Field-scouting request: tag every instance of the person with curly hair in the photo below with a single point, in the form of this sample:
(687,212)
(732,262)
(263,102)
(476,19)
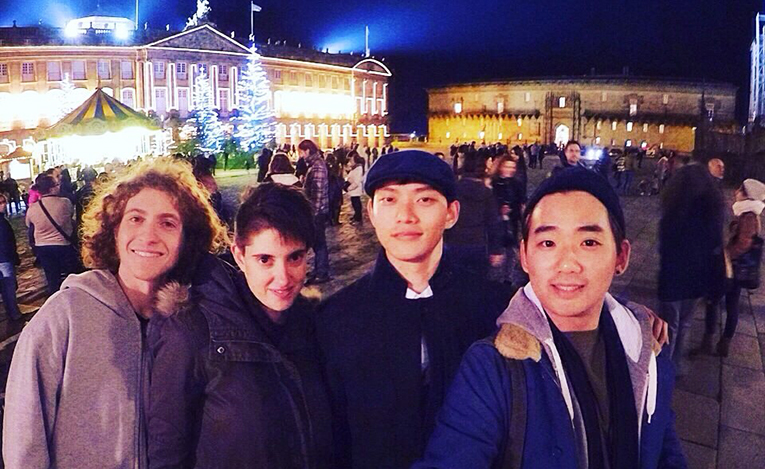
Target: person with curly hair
(77,384)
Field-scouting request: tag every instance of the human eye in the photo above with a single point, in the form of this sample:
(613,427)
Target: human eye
(169,224)
(547,243)
(297,257)
(427,200)
(264,259)
(591,243)
(135,219)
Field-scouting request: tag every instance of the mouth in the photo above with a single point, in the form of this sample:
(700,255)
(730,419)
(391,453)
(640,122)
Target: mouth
(146,254)
(283,293)
(407,235)
(566,289)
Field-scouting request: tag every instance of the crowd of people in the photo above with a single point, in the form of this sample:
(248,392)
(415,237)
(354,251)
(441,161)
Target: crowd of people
(483,336)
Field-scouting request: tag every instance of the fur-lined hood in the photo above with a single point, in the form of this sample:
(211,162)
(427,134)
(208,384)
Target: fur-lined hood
(525,333)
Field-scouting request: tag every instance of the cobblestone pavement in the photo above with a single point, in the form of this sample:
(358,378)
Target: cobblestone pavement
(720,404)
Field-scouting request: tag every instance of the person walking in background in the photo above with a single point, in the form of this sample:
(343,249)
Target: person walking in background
(281,171)
(476,237)
(264,161)
(744,255)
(336,184)
(355,183)
(511,198)
(14,195)
(316,189)
(50,223)
(630,163)
(691,263)
(9,260)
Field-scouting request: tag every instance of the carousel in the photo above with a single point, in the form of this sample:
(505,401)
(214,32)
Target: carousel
(101,130)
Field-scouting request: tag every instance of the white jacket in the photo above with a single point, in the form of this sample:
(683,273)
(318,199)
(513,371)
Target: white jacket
(355,180)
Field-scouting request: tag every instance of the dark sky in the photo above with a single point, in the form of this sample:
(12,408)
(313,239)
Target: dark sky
(433,42)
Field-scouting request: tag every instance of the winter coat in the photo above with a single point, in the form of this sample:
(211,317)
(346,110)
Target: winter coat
(474,423)
(77,382)
(692,263)
(8,252)
(229,388)
(479,223)
(383,403)
(356,182)
(286,179)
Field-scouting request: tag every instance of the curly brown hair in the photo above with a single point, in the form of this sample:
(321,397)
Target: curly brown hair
(202,229)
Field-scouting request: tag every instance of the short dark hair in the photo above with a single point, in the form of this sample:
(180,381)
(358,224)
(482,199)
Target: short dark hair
(571,142)
(44,183)
(270,205)
(619,234)
(280,164)
(308,145)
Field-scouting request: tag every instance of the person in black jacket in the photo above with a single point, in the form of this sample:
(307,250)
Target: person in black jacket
(236,379)
(511,198)
(392,340)
(9,260)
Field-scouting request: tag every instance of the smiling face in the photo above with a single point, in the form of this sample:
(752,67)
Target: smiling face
(149,237)
(571,257)
(275,268)
(410,220)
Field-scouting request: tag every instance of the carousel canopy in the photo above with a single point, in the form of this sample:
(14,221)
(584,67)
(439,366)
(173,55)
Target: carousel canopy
(98,115)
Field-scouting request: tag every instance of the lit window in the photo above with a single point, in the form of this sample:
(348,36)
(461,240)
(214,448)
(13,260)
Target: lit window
(104,69)
(322,81)
(126,70)
(308,80)
(629,126)
(481,134)
(528,97)
(128,98)
(159,70)
(604,97)
(665,99)
(293,78)
(599,124)
(613,141)
(336,83)
(562,101)
(223,94)
(3,73)
(499,136)
(278,76)
(54,71)
(645,127)
(448,134)
(519,122)
(458,107)
(78,70)
(613,125)
(643,144)
(628,143)
(710,111)
(633,109)
(500,106)
(520,136)
(223,72)
(27,71)
(597,140)
(661,145)
(661,128)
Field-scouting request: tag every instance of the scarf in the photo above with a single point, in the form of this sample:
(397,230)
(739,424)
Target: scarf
(622,439)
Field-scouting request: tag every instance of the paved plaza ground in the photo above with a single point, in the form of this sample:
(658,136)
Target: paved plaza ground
(720,404)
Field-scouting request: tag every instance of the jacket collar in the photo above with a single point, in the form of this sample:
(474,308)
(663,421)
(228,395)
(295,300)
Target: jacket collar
(525,313)
(385,278)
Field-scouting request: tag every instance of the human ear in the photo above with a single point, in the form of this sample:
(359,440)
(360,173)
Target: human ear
(238,254)
(452,213)
(623,258)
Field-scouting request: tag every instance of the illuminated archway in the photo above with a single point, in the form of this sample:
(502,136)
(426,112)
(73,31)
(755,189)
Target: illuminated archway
(562,134)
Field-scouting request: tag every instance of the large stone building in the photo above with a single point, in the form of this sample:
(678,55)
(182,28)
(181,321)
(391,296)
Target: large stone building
(332,98)
(600,111)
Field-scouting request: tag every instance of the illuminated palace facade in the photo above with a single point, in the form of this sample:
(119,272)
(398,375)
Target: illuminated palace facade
(331,98)
(601,111)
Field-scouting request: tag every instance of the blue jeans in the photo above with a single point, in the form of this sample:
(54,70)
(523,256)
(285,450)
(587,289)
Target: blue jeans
(679,316)
(8,290)
(57,263)
(321,259)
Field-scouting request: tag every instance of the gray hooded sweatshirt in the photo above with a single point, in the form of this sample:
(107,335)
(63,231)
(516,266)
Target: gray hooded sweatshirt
(75,391)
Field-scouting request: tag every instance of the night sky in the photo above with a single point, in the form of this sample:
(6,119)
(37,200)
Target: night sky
(435,42)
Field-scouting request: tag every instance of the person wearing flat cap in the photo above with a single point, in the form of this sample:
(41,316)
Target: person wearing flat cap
(573,378)
(392,341)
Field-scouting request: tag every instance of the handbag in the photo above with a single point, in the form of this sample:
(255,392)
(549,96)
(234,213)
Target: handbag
(72,241)
(746,267)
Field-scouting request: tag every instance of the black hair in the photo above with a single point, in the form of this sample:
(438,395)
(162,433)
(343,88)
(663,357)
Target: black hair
(618,232)
(270,205)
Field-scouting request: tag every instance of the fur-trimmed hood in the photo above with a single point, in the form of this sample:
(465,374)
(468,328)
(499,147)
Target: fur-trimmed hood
(172,298)
(525,333)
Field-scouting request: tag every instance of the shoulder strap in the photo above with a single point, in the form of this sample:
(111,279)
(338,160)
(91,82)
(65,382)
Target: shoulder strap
(516,432)
(53,222)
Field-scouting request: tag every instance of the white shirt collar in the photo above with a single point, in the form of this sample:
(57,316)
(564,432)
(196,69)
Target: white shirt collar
(413,295)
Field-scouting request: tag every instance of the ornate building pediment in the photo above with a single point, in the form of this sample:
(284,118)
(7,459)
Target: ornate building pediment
(203,37)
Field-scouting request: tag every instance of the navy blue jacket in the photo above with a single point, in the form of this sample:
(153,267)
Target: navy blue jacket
(474,423)
(383,404)
(8,251)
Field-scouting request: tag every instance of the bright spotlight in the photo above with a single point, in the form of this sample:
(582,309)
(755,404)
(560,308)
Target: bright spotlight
(121,32)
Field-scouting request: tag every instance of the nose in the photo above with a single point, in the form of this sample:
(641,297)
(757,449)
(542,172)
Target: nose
(281,274)
(405,212)
(148,232)
(568,261)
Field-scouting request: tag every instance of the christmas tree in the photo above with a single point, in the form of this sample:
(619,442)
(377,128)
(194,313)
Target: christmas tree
(67,101)
(209,128)
(255,125)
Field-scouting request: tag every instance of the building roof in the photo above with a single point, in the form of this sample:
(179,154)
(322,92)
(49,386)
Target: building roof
(601,80)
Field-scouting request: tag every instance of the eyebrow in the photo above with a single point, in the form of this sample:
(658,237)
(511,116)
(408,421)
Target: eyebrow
(296,251)
(592,228)
(161,215)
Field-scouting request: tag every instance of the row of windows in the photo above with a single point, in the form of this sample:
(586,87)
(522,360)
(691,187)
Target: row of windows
(295,78)
(630,126)
(78,71)
(561,103)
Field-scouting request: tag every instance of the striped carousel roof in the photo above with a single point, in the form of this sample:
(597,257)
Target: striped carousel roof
(99,114)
